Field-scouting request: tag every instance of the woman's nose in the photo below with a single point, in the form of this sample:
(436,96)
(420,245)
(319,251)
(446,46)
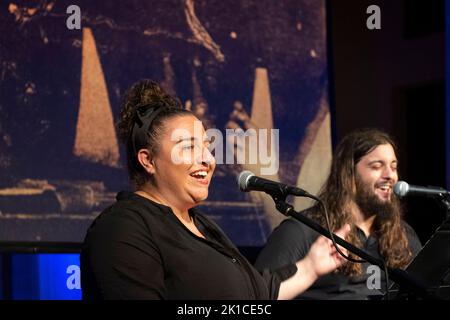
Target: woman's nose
(207,157)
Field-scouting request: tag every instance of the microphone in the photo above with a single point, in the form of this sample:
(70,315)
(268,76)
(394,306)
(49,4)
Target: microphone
(249,182)
(403,189)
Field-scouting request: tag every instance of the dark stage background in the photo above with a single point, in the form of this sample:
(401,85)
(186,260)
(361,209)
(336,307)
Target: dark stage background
(394,79)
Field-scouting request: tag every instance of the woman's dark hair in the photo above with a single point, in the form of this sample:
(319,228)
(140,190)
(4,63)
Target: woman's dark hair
(142,96)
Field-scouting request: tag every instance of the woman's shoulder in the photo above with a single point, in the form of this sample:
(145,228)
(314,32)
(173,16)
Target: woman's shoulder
(130,204)
(129,213)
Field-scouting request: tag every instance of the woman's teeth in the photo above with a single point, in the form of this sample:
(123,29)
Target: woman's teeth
(199,174)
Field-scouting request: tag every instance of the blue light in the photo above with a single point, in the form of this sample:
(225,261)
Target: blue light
(46,277)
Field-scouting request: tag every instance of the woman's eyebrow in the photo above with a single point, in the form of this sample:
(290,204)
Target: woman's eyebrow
(207,139)
(186,139)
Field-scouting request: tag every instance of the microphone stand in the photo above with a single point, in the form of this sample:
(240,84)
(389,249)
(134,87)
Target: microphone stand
(401,277)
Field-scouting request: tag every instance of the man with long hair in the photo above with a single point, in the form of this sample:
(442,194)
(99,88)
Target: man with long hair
(359,191)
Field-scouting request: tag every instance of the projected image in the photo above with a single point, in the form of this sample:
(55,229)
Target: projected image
(235,64)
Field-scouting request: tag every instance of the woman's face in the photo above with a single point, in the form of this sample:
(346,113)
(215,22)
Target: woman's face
(184,166)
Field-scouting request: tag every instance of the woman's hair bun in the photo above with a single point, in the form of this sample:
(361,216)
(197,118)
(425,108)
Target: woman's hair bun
(143,94)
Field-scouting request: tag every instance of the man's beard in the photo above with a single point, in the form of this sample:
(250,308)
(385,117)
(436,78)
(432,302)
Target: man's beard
(370,204)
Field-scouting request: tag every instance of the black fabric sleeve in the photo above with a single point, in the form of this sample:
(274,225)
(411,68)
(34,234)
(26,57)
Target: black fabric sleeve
(124,259)
(274,278)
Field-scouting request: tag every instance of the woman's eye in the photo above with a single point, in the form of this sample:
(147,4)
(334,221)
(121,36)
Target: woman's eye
(190,147)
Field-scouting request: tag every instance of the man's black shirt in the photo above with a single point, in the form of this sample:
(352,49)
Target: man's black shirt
(291,241)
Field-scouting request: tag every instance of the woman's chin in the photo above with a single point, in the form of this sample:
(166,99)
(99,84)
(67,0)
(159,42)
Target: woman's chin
(200,197)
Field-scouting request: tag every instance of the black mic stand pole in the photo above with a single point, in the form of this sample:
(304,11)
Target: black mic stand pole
(399,276)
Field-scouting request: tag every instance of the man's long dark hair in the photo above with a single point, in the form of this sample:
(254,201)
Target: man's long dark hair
(338,194)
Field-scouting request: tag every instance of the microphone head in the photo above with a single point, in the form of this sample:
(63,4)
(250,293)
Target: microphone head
(243,179)
(401,188)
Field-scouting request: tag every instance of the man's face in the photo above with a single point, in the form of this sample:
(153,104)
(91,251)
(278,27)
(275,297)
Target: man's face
(376,175)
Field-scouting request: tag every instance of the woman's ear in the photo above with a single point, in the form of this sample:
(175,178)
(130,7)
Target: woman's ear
(145,159)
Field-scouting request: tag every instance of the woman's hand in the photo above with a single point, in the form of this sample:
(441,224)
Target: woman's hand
(321,259)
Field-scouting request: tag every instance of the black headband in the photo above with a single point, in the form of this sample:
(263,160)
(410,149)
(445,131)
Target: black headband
(145,114)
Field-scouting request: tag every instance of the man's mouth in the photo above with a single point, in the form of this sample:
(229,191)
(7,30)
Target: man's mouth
(385,188)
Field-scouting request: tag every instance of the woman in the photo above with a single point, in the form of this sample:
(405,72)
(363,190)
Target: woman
(153,243)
